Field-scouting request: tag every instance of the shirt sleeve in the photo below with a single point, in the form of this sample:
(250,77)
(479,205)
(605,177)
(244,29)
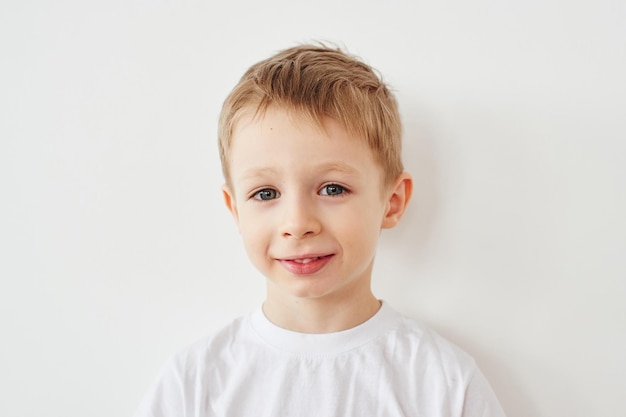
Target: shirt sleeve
(166,397)
(480,400)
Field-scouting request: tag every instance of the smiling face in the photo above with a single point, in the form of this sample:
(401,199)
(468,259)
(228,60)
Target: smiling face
(309,203)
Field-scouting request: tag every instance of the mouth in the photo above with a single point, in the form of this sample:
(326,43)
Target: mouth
(307,260)
(305,265)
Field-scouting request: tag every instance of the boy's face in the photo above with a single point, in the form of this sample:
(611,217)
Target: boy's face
(309,204)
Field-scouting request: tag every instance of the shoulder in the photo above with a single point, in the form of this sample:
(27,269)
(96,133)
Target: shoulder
(209,348)
(431,352)
(174,390)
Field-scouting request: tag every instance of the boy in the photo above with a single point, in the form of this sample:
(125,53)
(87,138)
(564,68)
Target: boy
(310,147)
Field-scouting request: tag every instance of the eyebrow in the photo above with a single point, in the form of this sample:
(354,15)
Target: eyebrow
(258,172)
(328,167)
(337,167)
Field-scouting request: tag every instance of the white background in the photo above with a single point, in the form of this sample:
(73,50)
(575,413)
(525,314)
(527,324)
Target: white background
(116,250)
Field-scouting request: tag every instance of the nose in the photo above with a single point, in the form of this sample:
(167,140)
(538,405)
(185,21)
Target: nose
(300,218)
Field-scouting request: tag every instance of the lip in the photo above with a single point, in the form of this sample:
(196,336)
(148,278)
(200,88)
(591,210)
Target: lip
(306,264)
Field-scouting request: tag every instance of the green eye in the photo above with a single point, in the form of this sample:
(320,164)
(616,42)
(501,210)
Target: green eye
(266,194)
(332,189)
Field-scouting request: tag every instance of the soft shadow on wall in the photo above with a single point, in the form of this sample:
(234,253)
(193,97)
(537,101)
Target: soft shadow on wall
(485,305)
(404,269)
(407,244)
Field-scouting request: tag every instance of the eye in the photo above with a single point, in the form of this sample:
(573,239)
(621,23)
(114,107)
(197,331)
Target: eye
(266,194)
(332,190)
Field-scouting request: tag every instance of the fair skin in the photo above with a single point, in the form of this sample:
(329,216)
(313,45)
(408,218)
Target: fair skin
(310,203)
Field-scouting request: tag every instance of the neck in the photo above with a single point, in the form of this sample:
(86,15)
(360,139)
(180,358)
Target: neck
(321,314)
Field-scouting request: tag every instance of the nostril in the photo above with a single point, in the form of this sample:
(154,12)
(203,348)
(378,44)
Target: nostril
(299,235)
(299,219)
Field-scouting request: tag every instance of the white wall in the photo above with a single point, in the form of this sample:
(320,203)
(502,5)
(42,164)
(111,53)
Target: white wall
(115,250)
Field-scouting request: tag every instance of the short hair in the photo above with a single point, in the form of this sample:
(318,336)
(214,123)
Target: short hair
(319,81)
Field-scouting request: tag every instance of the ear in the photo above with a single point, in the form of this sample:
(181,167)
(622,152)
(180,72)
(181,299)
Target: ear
(231,203)
(397,200)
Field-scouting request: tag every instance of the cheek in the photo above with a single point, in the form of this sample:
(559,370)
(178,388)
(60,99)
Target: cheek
(256,251)
(359,231)
(255,235)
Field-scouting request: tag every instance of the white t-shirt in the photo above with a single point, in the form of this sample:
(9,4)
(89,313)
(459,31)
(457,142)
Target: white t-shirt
(388,366)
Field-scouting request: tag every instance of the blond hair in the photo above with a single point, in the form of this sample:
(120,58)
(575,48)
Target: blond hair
(318,81)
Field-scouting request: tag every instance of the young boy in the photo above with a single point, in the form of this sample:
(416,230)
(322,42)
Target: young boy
(310,147)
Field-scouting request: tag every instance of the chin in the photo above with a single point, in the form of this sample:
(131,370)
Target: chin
(309,292)
(308,288)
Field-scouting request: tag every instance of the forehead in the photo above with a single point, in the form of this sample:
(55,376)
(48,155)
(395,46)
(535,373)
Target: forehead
(281,138)
(258,117)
